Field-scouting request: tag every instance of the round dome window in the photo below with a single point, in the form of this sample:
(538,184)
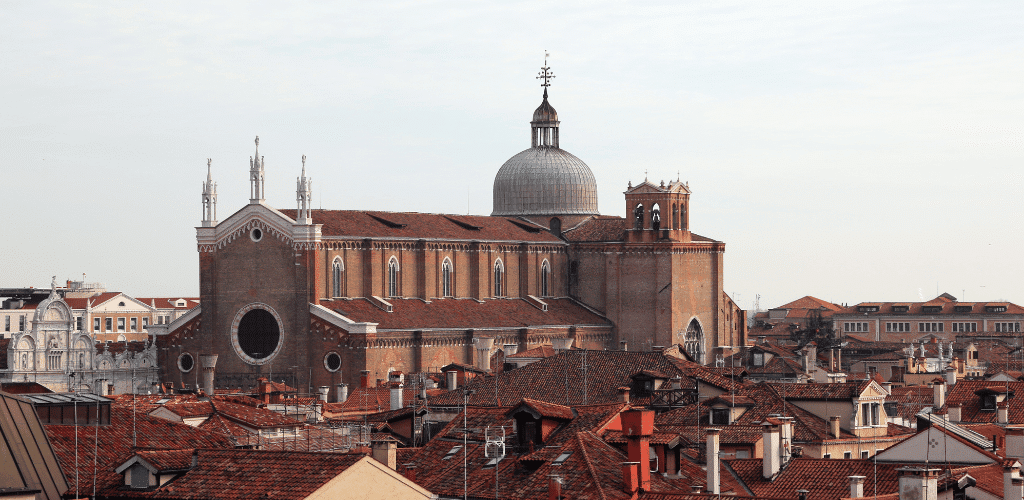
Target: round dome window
(332,361)
(186,362)
(256,333)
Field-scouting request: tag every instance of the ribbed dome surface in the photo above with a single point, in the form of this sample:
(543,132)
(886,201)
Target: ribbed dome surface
(545,181)
(545,113)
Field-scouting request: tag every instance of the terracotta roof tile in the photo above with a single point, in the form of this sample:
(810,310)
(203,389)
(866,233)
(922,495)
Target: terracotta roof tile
(542,351)
(370,224)
(246,474)
(465,313)
(116,442)
(561,379)
(826,479)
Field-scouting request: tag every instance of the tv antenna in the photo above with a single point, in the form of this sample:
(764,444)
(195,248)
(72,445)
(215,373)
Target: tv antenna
(494,449)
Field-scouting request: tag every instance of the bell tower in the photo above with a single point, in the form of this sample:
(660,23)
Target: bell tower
(658,212)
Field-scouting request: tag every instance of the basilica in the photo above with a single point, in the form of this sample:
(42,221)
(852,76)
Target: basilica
(321,297)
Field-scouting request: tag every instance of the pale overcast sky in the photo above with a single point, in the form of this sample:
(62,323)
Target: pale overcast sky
(853,151)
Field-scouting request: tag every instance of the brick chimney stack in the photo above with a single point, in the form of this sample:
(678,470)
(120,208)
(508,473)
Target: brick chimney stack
(364,378)
(637,427)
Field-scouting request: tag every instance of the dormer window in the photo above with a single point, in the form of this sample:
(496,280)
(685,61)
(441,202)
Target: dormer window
(758,359)
(720,416)
(900,309)
(962,309)
(988,402)
(868,309)
(931,309)
(995,309)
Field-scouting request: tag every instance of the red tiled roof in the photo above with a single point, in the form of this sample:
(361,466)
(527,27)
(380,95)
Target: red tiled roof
(965,394)
(916,308)
(253,417)
(115,444)
(599,228)
(412,225)
(95,300)
(549,410)
(592,469)
(190,409)
(809,302)
(247,474)
(465,313)
(169,302)
(167,460)
(562,379)
(825,479)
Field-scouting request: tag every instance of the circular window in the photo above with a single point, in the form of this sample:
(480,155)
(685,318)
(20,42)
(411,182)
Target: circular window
(256,234)
(332,361)
(186,362)
(256,333)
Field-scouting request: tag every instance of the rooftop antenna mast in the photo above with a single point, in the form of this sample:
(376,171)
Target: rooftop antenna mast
(494,448)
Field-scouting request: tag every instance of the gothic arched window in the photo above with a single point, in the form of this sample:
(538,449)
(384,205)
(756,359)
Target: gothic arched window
(336,274)
(693,341)
(446,278)
(638,217)
(393,277)
(545,279)
(656,217)
(682,217)
(675,216)
(499,277)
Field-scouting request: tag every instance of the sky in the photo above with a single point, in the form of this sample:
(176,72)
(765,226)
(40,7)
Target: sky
(853,151)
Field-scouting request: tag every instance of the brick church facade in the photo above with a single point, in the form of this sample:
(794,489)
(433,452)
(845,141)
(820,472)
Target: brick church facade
(318,296)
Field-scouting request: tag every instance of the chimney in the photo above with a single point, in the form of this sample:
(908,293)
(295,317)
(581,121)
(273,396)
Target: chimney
(1002,412)
(714,470)
(452,379)
(554,487)
(104,388)
(630,478)
(833,426)
(324,390)
(624,345)
(695,489)
(857,486)
(386,452)
(951,376)
(624,394)
(785,440)
(396,396)
(511,349)
(770,463)
(410,471)
(1013,485)
(364,378)
(342,392)
(637,427)
(810,357)
(918,483)
(1014,443)
(677,383)
(208,362)
(561,345)
(939,394)
(801,494)
(483,353)
(953,412)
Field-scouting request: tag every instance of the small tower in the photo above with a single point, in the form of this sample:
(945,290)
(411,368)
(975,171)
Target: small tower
(304,197)
(209,198)
(256,175)
(658,212)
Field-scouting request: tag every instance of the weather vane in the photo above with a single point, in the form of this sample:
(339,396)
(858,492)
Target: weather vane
(545,74)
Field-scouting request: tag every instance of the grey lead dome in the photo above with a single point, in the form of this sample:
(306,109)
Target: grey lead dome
(545,179)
